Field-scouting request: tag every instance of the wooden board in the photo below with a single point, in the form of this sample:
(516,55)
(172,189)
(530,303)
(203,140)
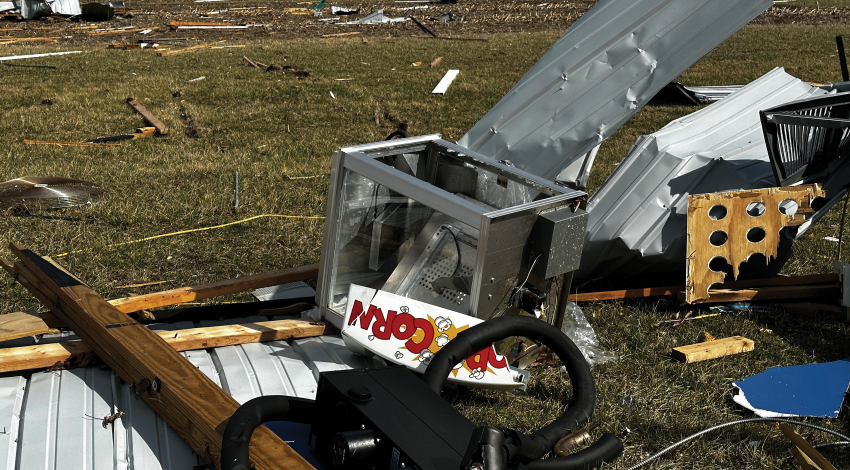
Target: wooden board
(627,294)
(67,144)
(769,293)
(72,354)
(189,402)
(21,324)
(197,23)
(713,349)
(215,289)
(805,447)
(150,118)
(727,226)
(801,461)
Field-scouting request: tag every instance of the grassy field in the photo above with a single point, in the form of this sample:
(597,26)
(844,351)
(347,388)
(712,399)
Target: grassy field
(278,131)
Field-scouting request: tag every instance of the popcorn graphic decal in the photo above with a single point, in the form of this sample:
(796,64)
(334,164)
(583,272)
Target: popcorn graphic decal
(392,326)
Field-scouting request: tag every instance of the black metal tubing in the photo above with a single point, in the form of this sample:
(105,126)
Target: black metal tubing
(248,417)
(483,335)
(842,59)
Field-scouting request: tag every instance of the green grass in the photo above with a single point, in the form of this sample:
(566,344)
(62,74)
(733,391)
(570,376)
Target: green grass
(272,126)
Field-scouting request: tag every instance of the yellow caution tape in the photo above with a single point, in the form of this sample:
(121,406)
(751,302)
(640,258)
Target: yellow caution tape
(196,230)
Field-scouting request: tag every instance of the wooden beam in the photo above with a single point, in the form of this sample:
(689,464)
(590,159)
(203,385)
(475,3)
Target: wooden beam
(801,460)
(21,324)
(67,144)
(215,289)
(186,399)
(77,354)
(150,118)
(197,23)
(805,447)
(713,349)
(627,294)
(769,293)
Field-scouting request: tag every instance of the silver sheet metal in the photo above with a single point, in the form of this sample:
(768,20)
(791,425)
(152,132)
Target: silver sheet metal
(612,61)
(54,420)
(638,218)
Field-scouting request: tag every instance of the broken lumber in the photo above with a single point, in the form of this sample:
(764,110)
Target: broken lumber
(713,349)
(768,293)
(20,325)
(627,294)
(352,33)
(801,460)
(215,289)
(161,128)
(805,447)
(68,144)
(197,23)
(77,354)
(114,31)
(186,399)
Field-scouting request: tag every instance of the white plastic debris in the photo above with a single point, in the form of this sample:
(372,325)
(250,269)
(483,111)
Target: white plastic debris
(577,328)
(447,80)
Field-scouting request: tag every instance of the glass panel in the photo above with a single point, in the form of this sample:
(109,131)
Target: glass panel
(388,241)
(481,185)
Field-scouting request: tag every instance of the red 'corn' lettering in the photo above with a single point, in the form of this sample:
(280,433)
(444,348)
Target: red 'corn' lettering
(356,311)
(406,320)
(426,328)
(382,328)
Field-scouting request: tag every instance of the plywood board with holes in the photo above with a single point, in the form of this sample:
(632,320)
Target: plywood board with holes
(728,228)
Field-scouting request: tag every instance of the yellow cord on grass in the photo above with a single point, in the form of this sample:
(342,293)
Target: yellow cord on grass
(196,230)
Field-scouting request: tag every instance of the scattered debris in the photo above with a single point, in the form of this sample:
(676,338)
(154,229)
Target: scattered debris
(196,79)
(436,62)
(161,128)
(713,349)
(49,192)
(447,80)
(422,26)
(344,11)
(805,448)
(376,18)
(32,56)
(140,133)
(353,33)
(815,390)
(67,144)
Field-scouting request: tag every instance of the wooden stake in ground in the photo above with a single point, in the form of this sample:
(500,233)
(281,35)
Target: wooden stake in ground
(192,404)
(161,128)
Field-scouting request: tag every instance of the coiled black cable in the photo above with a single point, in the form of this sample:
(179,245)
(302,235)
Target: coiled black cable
(539,443)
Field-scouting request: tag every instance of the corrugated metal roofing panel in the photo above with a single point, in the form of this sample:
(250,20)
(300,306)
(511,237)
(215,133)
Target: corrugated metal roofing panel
(612,61)
(54,420)
(638,219)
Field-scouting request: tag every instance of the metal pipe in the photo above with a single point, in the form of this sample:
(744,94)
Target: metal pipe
(842,59)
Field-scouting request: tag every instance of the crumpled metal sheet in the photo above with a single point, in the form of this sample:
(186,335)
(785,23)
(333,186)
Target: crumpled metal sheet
(35,8)
(612,61)
(637,222)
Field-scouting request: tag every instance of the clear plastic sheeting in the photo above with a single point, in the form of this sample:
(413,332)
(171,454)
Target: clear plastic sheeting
(637,223)
(610,63)
(577,328)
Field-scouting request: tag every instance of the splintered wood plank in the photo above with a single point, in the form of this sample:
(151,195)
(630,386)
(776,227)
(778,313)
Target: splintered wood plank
(627,294)
(150,118)
(77,354)
(215,289)
(192,404)
(805,447)
(713,349)
(728,228)
(197,23)
(802,462)
(20,324)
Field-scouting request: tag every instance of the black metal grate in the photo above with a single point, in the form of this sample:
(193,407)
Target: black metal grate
(803,136)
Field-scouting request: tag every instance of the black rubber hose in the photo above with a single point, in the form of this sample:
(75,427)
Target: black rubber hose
(605,450)
(400,134)
(248,417)
(483,335)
